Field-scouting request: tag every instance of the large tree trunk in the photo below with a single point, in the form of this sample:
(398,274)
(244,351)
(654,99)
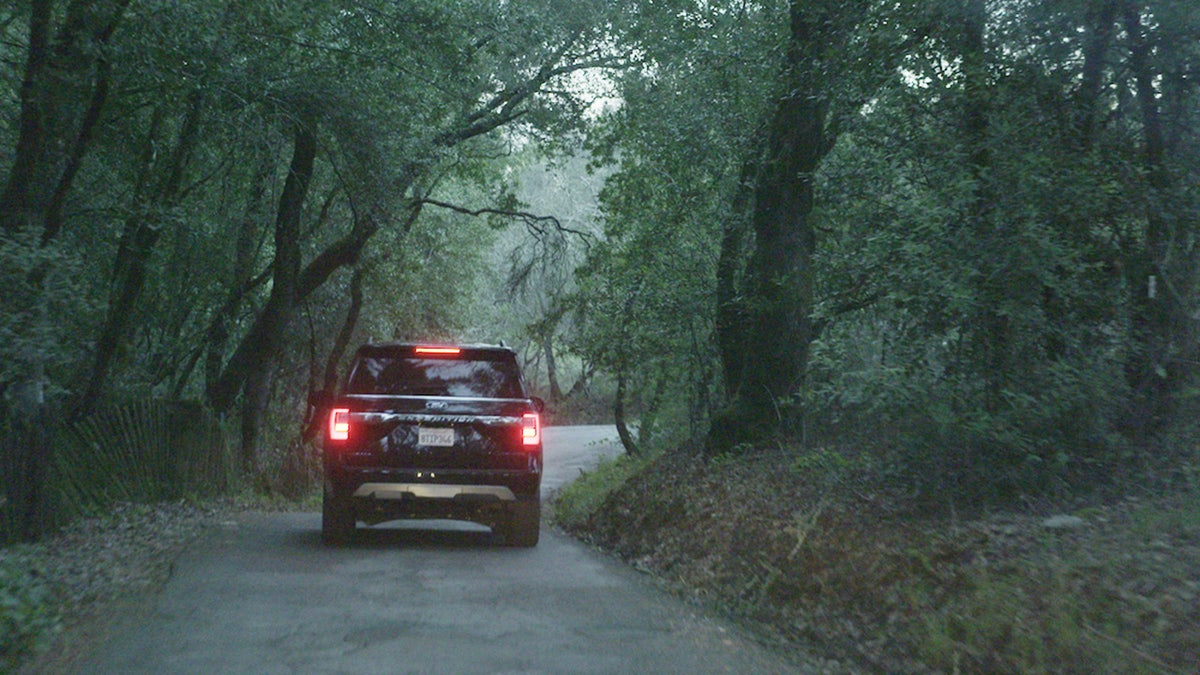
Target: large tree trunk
(989,330)
(1101,18)
(248,370)
(781,267)
(731,303)
(1162,272)
(142,233)
(319,399)
(767,362)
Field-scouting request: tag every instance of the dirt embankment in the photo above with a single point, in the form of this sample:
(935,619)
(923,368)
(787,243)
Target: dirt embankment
(831,562)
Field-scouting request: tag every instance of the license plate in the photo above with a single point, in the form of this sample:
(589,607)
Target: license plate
(435,436)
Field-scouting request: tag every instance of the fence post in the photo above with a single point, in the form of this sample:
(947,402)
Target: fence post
(32,433)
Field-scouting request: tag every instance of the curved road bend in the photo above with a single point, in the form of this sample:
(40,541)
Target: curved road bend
(262,595)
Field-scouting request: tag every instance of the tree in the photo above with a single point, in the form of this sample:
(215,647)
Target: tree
(1163,259)
(253,151)
(998,186)
(646,294)
(968,268)
(64,89)
(766,327)
(503,103)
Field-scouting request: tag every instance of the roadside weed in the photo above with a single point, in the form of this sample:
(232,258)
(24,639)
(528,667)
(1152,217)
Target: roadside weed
(28,615)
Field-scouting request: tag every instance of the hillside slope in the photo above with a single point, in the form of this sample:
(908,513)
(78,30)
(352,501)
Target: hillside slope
(810,553)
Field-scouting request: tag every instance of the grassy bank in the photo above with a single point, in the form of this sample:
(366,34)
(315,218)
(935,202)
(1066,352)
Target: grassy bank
(818,553)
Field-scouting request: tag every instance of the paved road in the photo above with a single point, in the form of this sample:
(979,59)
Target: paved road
(262,595)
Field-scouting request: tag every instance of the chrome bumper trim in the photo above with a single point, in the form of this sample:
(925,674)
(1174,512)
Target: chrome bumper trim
(425,491)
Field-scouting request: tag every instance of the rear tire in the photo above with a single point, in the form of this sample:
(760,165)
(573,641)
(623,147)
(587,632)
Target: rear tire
(525,523)
(337,520)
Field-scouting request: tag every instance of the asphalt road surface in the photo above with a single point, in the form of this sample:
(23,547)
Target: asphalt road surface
(263,595)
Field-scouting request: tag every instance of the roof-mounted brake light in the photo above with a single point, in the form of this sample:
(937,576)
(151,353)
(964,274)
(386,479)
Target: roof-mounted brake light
(438,351)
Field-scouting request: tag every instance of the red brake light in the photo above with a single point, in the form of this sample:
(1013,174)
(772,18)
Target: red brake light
(438,351)
(531,429)
(339,424)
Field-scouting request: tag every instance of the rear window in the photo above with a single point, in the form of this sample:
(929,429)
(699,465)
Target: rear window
(392,375)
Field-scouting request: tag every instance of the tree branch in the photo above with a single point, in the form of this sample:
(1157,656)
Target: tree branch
(535,223)
(505,106)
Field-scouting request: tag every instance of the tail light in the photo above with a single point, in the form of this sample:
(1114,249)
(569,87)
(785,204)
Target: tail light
(531,429)
(339,424)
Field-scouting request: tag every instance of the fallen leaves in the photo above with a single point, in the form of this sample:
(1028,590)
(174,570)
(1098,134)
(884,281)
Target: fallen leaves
(1048,588)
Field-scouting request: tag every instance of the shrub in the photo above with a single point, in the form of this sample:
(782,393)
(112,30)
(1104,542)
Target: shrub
(28,616)
(960,435)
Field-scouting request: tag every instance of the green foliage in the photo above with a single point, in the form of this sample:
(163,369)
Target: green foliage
(978,315)
(646,300)
(28,614)
(1177,520)
(529,278)
(1051,431)
(982,231)
(427,285)
(407,102)
(644,293)
(44,312)
(822,460)
(585,495)
(1028,623)
(987,221)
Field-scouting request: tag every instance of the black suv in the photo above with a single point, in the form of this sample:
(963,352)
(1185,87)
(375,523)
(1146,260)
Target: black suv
(424,431)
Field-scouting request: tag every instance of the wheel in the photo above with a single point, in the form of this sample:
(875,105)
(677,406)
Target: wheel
(525,523)
(337,519)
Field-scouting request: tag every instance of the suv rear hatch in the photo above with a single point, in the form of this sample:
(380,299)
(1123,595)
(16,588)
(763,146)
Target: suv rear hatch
(448,409)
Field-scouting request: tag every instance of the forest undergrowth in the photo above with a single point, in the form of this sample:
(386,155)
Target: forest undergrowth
(817,555)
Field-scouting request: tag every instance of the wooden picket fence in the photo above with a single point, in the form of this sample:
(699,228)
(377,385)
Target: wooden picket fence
(54,470)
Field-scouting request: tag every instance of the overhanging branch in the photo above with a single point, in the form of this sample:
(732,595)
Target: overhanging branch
(536,224)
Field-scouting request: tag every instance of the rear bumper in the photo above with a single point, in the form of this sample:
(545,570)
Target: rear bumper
(376,495)
(481,493)
(389,483)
